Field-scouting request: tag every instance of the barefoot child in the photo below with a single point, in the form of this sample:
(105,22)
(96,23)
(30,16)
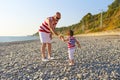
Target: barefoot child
(71,40)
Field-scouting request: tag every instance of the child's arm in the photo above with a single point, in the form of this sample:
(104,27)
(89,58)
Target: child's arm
(78,44)
(65,40)
(62,38)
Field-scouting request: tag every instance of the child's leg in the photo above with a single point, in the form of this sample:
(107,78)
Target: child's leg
(72,62)
(71,56)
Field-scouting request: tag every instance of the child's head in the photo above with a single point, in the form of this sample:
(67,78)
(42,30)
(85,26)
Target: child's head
(71,33)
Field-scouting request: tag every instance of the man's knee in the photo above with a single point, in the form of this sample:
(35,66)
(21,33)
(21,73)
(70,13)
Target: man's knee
(43,44)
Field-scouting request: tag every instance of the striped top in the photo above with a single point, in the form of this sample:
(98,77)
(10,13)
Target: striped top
(44,27)
(71,42)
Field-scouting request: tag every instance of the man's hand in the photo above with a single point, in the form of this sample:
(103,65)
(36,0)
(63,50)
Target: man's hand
(51,36)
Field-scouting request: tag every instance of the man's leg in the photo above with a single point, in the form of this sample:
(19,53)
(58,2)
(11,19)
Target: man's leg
(43,50)
(49,49)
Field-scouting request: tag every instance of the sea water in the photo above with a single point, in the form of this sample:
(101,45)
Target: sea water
(17,38)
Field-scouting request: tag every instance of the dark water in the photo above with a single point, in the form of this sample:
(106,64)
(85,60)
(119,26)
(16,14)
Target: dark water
(17,38)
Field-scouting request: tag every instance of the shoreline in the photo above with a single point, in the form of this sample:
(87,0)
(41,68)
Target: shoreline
(16,38)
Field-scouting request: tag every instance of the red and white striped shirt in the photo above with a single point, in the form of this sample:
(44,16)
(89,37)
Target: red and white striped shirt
(44,27)
(71,42)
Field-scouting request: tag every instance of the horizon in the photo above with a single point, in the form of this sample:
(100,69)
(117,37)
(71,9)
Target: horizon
(23,18)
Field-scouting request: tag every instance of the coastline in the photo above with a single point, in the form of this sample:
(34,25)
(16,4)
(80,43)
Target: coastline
(17,38)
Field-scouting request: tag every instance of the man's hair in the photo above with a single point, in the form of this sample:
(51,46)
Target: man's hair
(58,13)
(71,32)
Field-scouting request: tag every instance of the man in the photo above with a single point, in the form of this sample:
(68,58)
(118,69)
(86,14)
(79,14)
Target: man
(45,32)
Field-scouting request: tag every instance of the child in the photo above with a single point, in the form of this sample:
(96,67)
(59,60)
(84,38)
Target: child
(71,46)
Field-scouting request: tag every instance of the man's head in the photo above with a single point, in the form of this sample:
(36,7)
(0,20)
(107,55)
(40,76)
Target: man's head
(57,15)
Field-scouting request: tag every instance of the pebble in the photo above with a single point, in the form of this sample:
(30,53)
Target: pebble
(98,59)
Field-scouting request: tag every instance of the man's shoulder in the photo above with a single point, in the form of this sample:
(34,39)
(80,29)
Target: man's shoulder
(49,18)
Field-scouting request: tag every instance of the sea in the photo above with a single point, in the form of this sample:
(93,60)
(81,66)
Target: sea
(17,38)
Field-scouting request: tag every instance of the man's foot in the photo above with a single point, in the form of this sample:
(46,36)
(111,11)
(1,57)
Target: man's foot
(45,60)
(51,58)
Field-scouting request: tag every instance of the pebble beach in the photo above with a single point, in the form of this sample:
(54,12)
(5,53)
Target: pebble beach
(97,59)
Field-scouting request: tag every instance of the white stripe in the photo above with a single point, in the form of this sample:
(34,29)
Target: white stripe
(44,28)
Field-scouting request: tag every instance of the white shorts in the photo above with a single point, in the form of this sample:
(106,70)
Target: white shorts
(45,37)
(71,52)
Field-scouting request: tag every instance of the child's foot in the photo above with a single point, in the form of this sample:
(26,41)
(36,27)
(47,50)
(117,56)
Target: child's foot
(71,64)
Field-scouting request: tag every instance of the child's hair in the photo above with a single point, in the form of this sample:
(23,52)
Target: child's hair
(71,32)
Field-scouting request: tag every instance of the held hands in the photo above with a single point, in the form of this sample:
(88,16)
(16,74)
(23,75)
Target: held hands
(61,37)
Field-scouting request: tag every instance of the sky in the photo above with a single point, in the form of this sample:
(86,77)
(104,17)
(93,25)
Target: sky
(23,17)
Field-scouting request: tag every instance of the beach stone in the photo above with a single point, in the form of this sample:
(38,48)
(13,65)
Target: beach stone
(98,59)
(65,78)
(79,76)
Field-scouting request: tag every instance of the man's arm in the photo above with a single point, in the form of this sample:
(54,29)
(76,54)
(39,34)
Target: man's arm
(50,27)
